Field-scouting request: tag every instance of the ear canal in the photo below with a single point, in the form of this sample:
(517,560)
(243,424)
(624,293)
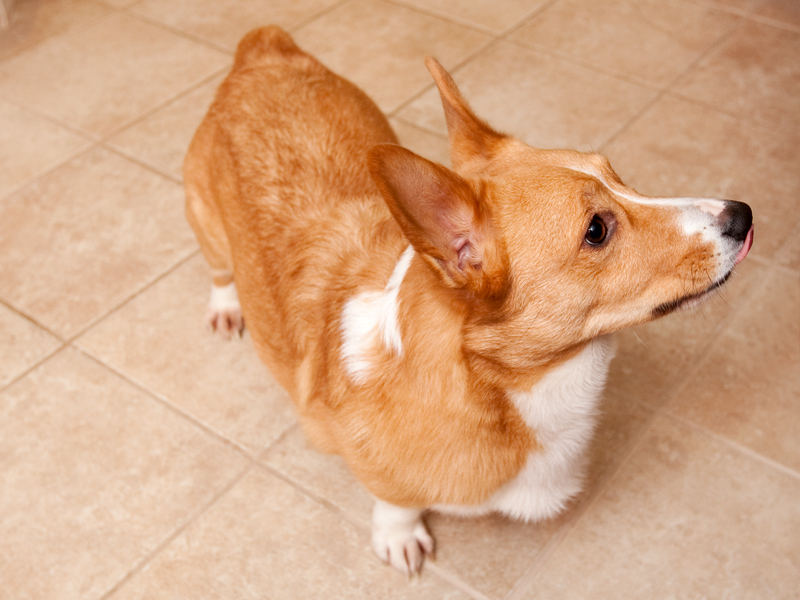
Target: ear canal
(470,137)
(441,216)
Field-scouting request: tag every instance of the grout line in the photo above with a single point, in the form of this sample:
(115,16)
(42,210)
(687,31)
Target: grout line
(453,580)
(161,399)
(179,32)
(120,151)
(316,16)
(360,525)
(312,495)
(669,86)
(191,519)
(739,448)
(442,16)
(189,89)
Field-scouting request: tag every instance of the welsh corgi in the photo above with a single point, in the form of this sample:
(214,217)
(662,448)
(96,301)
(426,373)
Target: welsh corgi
(446,331)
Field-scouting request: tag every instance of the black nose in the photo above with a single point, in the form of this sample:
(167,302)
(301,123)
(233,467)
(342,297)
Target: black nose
(736,220)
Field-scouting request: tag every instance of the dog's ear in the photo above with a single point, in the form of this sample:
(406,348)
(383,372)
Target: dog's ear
(442,217)
(471,138)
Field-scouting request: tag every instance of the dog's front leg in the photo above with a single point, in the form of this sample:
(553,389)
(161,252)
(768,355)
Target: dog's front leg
(399,537)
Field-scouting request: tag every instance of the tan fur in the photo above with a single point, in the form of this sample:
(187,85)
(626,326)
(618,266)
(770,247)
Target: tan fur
(501,288)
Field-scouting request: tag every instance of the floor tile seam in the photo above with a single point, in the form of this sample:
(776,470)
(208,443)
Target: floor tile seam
(177,532)
(527,580)
(164,401)
(72,128)
(442,16)
(38,362)
(422,128)
(432,85)
(361,527)
(149,112)
(451,578)
(196,39)
(772,125)
(316,16)
(69,31)
(534,14)
(665,90)
(165,272)
(740,12)
(734,445)
(682,376)
(589,66)
(145,164)
(313,496)
(774,23)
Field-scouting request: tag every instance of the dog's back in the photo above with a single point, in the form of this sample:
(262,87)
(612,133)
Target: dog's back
(282,141)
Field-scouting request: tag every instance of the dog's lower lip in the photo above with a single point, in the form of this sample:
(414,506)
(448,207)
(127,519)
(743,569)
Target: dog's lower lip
(668,307)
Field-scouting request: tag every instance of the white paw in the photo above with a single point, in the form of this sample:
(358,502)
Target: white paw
(224,313)
(400,538)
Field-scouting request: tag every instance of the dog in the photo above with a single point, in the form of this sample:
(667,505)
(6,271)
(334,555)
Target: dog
(446,331)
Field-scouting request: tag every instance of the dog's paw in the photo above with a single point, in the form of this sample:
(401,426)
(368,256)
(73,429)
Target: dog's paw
(400,538)
(224,314)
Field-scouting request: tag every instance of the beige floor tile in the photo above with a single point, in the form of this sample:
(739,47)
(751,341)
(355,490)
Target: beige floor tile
(766,84)
(686,517)
(225,22)
(791,254)
(162,139)
(652,359)
(380,47)
(681,149)
(325,475)
(540,99)
(667,35)
(784,11)
(34,21)
(29,145)
(95,476)
(94,80)
(730,395)
(266,540)
(79,241)
(22,343)
(483,14)
(428,145)
(160,340)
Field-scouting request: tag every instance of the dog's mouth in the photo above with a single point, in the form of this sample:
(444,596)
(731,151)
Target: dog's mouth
(695,299)
(691,300)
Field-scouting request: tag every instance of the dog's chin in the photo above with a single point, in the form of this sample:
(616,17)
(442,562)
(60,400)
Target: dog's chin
(690,301)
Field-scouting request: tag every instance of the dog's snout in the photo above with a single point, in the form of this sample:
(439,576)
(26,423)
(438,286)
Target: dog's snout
(736,220)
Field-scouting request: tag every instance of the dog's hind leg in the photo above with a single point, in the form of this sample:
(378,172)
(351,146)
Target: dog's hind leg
(224,313)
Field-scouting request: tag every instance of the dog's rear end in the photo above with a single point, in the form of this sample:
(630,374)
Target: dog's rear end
(276,180)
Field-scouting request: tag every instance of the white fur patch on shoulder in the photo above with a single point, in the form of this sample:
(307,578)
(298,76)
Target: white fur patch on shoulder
(371,316)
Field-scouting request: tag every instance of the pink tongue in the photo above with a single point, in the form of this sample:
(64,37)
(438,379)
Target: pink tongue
(748,242)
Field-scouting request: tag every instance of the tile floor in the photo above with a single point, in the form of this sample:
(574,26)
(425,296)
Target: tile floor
(141,457)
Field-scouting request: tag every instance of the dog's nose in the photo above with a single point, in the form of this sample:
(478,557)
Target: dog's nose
(736,220)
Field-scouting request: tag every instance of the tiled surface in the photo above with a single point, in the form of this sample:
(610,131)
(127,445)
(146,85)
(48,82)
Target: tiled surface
(141,457)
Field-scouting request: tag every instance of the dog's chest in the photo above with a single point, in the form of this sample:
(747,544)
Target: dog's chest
(561,410)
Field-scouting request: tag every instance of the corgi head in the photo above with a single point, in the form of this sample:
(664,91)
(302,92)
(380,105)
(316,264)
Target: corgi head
(548,249)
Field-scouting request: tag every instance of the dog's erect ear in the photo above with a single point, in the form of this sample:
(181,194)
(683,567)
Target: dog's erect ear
(442,217)
(470,137)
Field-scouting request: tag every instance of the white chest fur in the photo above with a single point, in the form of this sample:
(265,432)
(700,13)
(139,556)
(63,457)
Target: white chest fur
(561,410)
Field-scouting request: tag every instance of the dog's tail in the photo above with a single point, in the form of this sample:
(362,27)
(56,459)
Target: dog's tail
(265,42)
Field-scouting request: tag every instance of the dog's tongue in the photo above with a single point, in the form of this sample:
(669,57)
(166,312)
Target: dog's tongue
(748,243)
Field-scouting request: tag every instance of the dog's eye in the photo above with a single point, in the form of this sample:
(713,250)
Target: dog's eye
(597,232)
